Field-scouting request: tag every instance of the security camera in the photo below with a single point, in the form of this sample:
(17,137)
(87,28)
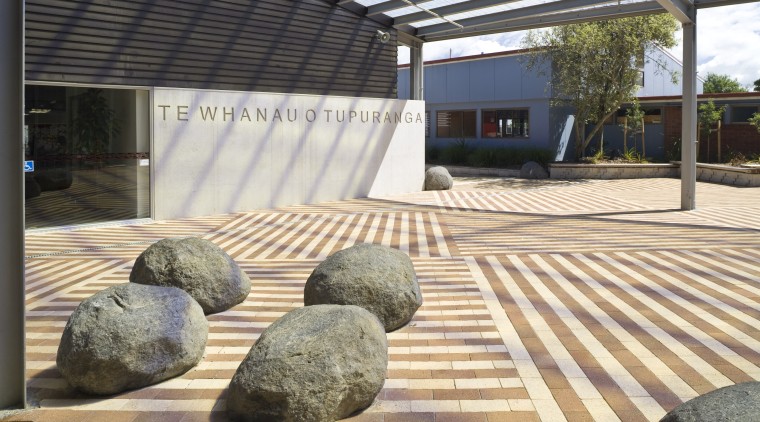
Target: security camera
(383,36)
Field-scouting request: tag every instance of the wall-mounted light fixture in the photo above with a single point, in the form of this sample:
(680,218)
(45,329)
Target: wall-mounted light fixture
(383,36)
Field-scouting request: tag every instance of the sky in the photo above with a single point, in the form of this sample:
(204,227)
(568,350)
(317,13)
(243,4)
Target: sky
(728,42)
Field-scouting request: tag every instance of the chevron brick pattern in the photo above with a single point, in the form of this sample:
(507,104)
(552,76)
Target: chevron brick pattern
(543,300)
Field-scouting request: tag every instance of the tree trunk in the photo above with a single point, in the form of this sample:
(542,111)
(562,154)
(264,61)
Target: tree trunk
(599,125)
(643,140)
(699,137)
(719,158)
(625,134)
(580,145)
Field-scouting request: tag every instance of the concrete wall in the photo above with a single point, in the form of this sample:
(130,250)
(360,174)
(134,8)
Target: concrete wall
(218,152)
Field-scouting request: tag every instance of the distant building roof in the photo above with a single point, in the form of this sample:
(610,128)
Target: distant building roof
(721,97)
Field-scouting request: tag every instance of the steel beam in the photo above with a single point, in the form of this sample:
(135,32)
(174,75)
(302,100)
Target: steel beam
(513,22)
(12,383)
(683,10)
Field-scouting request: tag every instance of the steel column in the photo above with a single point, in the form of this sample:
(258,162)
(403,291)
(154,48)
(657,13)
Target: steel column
(416,75)
(12,382)
(689,119)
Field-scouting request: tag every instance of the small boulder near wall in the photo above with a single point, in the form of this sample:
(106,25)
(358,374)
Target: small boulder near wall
(53,179)
(377,278)
(31,188)
(533,170)
(196,266)
(735,403)
(129,336)
(318,363)
(438,178)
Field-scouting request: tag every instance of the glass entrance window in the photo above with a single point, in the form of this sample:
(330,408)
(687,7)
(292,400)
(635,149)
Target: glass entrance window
(510,123)
(90,148)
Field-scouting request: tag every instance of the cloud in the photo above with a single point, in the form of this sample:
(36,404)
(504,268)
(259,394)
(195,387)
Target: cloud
(728,42)
(466,46)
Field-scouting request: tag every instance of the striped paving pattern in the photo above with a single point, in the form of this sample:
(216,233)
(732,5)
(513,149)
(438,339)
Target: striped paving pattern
(95,195)
(581,300)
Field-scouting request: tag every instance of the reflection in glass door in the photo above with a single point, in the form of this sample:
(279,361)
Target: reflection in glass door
(90,148)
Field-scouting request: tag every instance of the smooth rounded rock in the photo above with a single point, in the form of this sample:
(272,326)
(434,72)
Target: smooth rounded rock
(377,278)
(735,403)
(129,336)
(438,178)
(31,188)
(54,179)
(315,364)
(533,170)
(196,266)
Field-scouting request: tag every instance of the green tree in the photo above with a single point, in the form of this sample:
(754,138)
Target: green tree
(755,121)
(709,115)
(757,85)
(633,124)
(716,83)
(595,67)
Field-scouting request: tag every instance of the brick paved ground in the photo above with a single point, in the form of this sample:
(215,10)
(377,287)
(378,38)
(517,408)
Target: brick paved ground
(553,300)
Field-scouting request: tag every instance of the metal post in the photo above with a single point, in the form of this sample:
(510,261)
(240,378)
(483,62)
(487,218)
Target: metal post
(689,119)
(416,77)
(12,383)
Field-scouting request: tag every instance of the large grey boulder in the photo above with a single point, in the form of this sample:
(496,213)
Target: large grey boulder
(31,187)
(53,179)
(318,363)
(196,266)
(735,403)
(129,336)
(438,178)
(533,170)
(377,278)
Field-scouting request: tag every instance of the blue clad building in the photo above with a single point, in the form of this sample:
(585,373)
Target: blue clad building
(493,101)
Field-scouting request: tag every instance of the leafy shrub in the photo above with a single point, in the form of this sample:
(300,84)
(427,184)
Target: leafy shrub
(674,152)
(456,153)
(736,158)
(595,156)
(461,153)
(432,154)
(755,121)
(633,156)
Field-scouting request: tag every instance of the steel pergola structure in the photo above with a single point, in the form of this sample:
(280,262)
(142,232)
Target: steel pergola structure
(421,21)
(436,20)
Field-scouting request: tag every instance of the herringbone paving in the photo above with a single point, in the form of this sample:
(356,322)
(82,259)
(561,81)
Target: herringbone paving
(543,300)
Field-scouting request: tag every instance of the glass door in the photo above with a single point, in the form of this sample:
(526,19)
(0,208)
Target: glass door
(90,149)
